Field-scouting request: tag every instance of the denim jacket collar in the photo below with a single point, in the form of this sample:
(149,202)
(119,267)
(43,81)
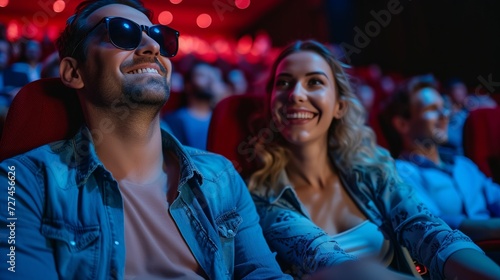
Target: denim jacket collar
(359,187)
(86,161)
(188,170)
(284,189)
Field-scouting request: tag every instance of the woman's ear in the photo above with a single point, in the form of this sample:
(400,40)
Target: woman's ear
(70,74)
(341,109)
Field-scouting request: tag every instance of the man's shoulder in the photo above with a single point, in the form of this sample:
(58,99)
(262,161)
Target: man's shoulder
(52,156)
(463,160)
(210,165)
(464,165)
(406,168)
(403,163)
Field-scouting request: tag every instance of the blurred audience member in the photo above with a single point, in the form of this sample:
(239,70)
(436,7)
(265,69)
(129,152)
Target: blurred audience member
(416,122)
(177,83)
(10,81)
(460,103)
(219,87)
(190,124)
(455,99)
(29,60)
(237,81)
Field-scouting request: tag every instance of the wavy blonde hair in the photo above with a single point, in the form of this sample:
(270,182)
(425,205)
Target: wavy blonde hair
(351,142)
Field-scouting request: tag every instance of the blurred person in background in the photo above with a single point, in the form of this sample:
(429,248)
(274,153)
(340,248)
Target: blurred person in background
(190,123)
(237,81)
(461,103)
(453,188)
(10,81)
(29,61)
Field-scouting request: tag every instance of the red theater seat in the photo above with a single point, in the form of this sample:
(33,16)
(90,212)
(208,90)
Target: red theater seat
(175,101)
(482,140)
(42,112)
(230,133)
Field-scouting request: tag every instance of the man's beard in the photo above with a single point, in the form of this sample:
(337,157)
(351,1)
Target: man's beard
(203,94)
(153,93)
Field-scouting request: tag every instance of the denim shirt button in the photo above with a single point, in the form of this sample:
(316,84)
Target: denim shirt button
(73,243)
(230,231)
(117,243)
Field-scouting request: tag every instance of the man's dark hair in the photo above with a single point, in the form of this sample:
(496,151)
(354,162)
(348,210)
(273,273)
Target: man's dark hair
(76,26)
(399,106)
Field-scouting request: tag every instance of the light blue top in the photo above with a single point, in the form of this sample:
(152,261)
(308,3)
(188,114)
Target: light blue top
(189,129)
(70,220)
(455,191)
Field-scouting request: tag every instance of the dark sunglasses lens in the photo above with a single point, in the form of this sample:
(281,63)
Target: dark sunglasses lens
(166,38)
(124,34)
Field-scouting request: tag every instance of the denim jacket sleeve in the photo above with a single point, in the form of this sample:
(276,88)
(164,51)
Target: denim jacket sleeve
(302,247)
(253,259)
(25,252)
(429,239)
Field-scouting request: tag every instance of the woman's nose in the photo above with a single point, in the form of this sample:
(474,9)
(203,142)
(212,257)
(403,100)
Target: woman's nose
(297,93)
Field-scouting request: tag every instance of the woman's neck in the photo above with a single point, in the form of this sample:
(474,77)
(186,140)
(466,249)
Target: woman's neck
(310,166)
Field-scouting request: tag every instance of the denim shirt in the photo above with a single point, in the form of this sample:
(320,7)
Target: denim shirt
(455,191)
(414,233)
(70,221)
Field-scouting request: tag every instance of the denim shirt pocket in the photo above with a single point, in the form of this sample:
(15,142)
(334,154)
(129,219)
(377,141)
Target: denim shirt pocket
(227,226)
(77,248)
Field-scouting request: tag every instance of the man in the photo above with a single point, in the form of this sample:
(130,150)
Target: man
(416,123)
(30,60)
(123,199)
(190,124)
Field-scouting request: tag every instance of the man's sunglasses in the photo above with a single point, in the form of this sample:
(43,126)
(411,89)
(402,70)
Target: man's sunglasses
(127,35)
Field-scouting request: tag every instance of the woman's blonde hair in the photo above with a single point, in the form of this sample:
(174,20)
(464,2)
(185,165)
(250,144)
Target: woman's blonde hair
(352,143)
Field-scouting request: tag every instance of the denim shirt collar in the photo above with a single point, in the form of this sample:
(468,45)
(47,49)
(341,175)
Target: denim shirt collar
(86,161)
(188,171)
(424,162)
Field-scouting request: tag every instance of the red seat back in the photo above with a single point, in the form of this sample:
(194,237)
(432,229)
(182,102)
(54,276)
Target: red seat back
(482,138)
(42,112)
(234,120)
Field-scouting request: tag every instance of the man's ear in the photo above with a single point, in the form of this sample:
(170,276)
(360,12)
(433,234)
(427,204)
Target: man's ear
(341,109)
(70,74)
(401,125)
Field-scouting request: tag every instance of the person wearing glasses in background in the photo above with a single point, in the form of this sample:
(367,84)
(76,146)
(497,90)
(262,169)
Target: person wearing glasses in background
(415,122)
(123,199)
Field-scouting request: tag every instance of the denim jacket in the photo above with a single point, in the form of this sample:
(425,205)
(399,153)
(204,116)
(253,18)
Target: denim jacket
(414,233)
(70,221)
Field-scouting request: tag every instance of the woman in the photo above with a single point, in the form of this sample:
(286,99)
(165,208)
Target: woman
(327,194)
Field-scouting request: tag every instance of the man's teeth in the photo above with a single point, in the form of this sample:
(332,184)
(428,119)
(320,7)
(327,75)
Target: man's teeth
(144,70)
(301,115)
